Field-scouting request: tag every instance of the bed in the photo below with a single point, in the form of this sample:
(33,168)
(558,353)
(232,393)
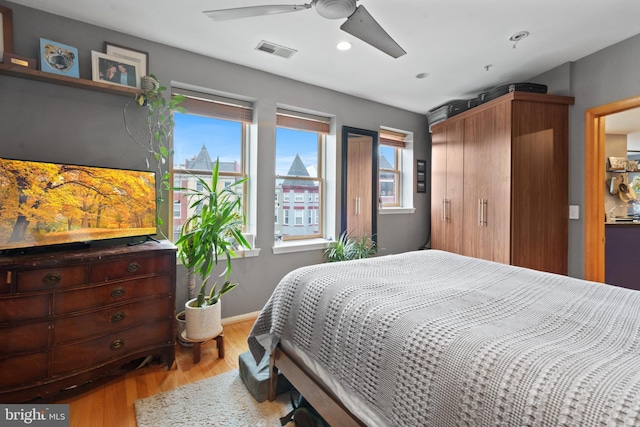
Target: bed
(430,338)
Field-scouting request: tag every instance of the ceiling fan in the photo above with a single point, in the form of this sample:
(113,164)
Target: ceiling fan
(359,22)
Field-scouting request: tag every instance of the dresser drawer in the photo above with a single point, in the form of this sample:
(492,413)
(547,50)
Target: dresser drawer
(131,267)
(16,309)
(77,327)
(19,339)
(113,293)
(111,347)
(23,369)
(50,278)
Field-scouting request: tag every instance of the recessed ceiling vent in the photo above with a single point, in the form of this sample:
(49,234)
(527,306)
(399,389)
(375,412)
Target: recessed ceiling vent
(274,49)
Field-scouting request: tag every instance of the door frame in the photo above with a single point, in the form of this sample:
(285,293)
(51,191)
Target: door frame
(346,130)
(594,170)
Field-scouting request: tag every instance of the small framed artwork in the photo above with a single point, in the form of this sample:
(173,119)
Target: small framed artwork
(129,54)
(113,70)
(59,58)
(421,176)
(6,32)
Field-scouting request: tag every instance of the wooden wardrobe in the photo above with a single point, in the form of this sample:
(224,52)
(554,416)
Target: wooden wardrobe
(500,182)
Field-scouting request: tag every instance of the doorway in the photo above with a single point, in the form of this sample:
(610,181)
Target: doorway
(594,170)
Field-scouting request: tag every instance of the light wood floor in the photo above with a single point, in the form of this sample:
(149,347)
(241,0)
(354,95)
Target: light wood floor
(111,404)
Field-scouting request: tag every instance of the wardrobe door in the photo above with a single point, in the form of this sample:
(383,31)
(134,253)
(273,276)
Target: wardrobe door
(447,186)
(487,184)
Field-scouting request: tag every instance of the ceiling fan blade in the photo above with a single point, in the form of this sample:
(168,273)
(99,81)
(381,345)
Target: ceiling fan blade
(246,12)
(362,25)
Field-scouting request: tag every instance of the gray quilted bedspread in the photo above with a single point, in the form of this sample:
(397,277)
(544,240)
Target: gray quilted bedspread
(430,338)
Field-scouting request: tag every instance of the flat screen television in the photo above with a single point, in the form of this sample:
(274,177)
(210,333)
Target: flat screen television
(44,204)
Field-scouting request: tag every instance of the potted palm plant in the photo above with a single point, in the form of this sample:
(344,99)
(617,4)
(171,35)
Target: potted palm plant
(213,231)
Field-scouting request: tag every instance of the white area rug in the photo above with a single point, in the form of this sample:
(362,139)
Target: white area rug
(220,401)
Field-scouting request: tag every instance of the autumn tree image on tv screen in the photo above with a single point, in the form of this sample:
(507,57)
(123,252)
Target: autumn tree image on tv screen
(50,203)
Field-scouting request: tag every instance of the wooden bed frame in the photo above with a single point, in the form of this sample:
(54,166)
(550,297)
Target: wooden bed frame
(309,385)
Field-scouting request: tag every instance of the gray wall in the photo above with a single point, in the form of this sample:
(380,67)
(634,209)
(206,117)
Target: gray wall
(606,76)
(49,122)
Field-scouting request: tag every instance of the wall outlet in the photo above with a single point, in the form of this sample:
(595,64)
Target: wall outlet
(574,212)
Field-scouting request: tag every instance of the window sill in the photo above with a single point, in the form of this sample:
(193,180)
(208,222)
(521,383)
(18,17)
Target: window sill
(300,246)
(247,253)
(395,211)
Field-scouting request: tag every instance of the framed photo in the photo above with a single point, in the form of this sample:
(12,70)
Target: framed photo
(113,70)
(6,32)
(59,58)
(130,55)
(421,165)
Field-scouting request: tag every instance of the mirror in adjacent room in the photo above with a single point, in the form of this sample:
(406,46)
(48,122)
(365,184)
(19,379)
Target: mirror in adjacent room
(359,182)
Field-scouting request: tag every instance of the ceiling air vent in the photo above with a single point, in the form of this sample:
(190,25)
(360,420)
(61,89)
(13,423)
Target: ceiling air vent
(274,49)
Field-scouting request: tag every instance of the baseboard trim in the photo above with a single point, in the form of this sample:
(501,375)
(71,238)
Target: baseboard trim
(240,318)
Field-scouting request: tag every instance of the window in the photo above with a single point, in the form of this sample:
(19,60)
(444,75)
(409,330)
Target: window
(299,143)
(390,149)
(177,209)
(212,128)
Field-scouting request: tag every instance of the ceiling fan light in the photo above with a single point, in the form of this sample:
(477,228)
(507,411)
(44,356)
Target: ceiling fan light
(343,46)
(335,9)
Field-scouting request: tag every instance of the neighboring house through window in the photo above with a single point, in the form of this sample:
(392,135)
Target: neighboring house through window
(391,174)
(212,128)
(299,151)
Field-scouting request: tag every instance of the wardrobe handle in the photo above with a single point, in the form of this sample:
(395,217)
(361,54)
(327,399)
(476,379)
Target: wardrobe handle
(485,212)
(444,210)
(479,212)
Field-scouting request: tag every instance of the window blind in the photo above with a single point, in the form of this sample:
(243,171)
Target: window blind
(390,138)
(302,121)
(216,106)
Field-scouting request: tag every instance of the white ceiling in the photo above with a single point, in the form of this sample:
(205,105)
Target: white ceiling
(451,40)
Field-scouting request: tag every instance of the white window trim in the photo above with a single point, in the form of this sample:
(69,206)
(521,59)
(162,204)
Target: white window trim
(330,206)
(300,245)
(407,186)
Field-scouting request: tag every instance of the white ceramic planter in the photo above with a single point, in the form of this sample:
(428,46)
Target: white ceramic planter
(202,323)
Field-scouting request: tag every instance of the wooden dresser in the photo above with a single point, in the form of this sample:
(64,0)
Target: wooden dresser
(69,317)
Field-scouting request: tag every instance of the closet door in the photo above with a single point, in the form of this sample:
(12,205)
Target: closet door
(447,162)
(487,184)
(360,175)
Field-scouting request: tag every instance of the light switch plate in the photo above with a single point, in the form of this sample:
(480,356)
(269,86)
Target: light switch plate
(574,212)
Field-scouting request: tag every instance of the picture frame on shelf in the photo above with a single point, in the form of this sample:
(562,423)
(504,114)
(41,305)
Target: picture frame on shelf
(6,32)
(129,54)
(59,58)
(114,70)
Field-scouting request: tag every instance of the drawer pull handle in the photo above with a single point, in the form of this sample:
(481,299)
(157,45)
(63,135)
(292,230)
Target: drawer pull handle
(51,278)
(116,317)
(117,292)
(133,267)
(116,344)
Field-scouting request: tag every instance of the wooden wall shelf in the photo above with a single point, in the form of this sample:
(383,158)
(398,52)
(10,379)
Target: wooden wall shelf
(31,74)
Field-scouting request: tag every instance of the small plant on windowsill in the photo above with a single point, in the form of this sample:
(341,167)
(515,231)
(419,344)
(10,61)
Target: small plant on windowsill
(347,248)
(159,130)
